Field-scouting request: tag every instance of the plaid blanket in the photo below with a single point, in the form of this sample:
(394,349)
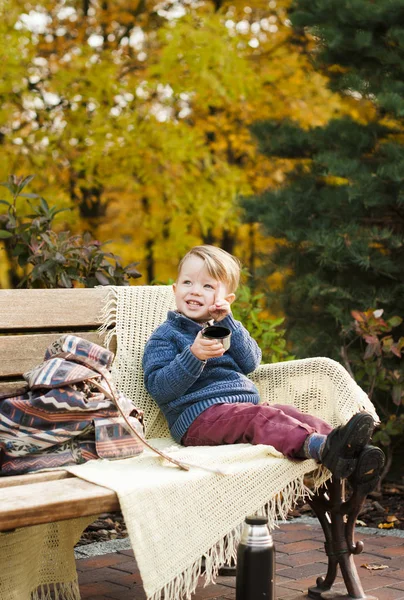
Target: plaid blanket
(63,418)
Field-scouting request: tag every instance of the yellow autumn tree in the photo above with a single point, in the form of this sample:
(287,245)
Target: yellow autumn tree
(137,116)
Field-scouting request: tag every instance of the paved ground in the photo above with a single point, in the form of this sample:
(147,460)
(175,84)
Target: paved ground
(300,560)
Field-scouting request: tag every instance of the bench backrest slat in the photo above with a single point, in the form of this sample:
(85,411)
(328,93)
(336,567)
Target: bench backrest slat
(50,309)
(19,353)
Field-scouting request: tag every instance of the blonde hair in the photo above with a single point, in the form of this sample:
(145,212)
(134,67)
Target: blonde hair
(220,264)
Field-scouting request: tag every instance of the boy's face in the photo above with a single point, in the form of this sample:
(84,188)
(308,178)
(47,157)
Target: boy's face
(196,291)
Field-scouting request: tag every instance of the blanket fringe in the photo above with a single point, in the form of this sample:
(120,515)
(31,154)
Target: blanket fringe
(276,510)
(320,476)
(59,591)
(108,317)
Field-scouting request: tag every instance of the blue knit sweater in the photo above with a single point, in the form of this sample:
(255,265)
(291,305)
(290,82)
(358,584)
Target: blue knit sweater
(184,386)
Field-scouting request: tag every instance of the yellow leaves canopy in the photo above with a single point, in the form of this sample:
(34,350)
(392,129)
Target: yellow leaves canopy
(138,116)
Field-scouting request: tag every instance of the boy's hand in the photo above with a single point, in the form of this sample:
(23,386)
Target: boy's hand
(204,349)
(221,307)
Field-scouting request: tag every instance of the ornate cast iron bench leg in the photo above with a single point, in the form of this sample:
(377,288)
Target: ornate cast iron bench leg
(338,518)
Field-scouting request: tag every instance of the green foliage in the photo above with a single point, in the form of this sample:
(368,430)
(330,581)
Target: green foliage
(43,258)
(373,353)
(365,39)
(266,331)
(339,219)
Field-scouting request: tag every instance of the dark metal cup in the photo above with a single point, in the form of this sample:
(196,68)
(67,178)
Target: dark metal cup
(219,333)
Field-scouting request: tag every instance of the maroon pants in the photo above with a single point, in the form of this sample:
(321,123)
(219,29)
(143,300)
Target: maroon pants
(282,426)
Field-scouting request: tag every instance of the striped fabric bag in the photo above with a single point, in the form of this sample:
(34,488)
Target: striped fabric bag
(68,414)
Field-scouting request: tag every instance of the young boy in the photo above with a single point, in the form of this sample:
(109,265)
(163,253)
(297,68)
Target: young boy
(204,391)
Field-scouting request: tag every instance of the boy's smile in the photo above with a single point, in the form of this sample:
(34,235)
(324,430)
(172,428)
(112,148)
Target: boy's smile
(196,291)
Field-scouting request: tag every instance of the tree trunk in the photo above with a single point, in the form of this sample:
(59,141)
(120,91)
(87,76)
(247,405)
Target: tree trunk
(208,237)
(252,250)
(149,245)
(228,241)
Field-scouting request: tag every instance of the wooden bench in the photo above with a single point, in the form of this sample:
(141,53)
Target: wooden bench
(29,321)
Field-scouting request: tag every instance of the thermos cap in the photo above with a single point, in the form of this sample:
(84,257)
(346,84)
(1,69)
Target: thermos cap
(256,520)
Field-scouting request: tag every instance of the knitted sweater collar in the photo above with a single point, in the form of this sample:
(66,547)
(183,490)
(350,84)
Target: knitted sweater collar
(185,323)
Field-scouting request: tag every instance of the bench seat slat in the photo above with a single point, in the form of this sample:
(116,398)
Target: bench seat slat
(28,478)
(11,388)
(49,501)
(49,309)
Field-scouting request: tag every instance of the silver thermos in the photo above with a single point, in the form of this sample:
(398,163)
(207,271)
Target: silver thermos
(255,573)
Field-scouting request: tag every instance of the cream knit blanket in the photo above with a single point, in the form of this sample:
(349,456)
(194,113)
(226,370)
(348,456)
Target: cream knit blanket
(174,518)
(37,563)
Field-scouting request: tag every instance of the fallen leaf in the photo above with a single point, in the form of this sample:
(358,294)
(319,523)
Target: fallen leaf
(361,523)
(393,490)
(374,566)
(385,525)
(391,519)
